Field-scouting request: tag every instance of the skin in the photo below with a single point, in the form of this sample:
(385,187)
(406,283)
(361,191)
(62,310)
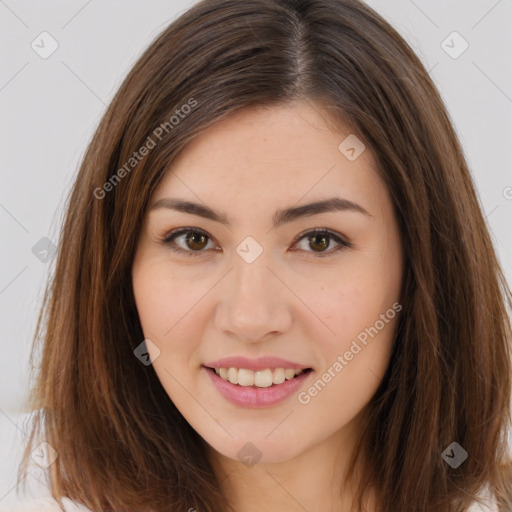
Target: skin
(288,303)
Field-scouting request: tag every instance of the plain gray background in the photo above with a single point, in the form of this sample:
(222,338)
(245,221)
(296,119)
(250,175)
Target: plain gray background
(50,107)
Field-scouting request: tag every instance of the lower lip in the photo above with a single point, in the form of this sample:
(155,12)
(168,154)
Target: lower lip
(252,397)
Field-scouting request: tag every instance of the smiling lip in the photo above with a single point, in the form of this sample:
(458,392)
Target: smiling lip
(261,363)
(253,397)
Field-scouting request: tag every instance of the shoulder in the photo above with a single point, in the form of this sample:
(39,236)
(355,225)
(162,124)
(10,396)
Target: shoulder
(46,504)
(39,505)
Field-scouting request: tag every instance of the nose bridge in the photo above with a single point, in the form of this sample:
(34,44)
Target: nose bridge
(252,302)
(251,286)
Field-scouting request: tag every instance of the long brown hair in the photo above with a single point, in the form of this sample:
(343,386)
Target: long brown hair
(122,444)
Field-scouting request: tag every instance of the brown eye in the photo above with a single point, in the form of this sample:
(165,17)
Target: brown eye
(318,242)
(196,241)
(321,242)
(190,241)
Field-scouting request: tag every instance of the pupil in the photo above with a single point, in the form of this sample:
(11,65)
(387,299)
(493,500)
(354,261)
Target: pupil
(324,244)
(191,240)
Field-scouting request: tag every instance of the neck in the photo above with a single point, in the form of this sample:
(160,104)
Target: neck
(312,480)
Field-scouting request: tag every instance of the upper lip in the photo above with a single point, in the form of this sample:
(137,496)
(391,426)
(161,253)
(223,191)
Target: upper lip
(261,363)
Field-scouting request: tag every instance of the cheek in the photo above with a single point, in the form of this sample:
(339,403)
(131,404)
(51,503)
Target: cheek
(353,370)
(173,312)
(152,301)
(355,302)
(163,299)
(362,310)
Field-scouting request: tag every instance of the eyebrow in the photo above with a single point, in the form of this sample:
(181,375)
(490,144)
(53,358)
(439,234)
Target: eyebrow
(283,216)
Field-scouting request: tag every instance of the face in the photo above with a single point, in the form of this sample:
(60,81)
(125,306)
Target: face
(253,293)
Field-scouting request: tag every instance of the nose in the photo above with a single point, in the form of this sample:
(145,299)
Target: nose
(254,303)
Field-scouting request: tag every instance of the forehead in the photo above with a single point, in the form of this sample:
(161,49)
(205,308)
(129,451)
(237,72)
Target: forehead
(272,155)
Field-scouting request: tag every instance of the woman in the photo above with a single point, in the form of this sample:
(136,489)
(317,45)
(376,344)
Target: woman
(275,285)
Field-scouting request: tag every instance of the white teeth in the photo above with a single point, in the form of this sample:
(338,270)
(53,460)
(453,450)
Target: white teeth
(246,377)
(261,378)
(278,376)
(289,373)
(233,375)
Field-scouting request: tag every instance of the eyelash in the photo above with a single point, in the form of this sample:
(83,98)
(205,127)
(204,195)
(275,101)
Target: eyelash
(168,240)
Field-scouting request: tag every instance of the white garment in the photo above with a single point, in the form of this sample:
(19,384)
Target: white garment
(46,504)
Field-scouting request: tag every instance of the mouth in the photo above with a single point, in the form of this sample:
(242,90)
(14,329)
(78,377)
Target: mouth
(260,388)
(265,378)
